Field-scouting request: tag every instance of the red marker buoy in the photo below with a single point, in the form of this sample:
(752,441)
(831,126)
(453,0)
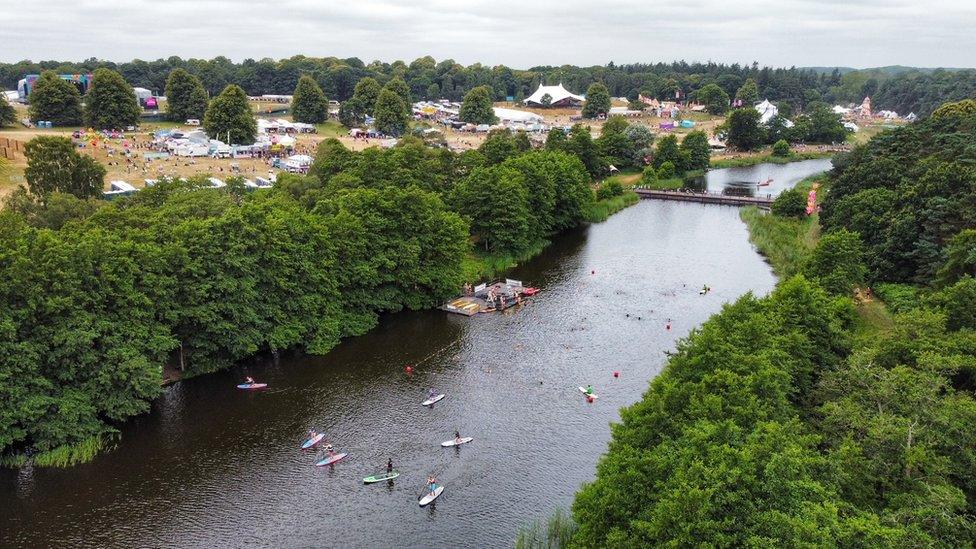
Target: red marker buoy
(616,374)
(589,399)
(669,326)
(409,369)
(593,272)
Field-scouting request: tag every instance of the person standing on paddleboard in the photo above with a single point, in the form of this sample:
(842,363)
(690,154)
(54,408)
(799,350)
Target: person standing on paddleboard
(431,484)
(457,437)
(389,465)
(589,389)
(249,380)
(329,449)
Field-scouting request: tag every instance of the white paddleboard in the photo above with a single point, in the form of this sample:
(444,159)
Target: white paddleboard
(453,442)
(583,390)
(429,497)
(432,400)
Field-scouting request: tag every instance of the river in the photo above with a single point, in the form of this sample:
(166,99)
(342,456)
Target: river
(743,181)
(212,466)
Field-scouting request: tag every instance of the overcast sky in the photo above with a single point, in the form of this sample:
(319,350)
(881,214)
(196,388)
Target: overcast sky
(518,33)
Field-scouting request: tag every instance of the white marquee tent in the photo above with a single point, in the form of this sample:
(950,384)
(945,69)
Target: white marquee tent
(558,94)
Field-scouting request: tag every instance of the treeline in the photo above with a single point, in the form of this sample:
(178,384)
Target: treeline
(98,297)
(801,420)
(911,194)
(430,79)
(917,91)
(765,430)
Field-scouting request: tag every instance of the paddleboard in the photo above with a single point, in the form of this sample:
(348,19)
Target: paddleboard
(432,400)
(330,460)
(313,441)
(429,497)
(380,477)
(583,390)
(453,442)
(252,386)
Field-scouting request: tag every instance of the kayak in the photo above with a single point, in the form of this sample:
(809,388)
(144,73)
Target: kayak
(252,386)
(330,460)
(453,442)
(583,390)
(313,441)
(432,400)
(381,477)
(431,496)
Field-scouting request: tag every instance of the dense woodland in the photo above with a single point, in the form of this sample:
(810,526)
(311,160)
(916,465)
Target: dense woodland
(791,420)
(904,91)
(98,296)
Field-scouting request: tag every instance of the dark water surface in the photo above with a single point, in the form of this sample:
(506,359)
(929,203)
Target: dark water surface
(213,466)
(744,181)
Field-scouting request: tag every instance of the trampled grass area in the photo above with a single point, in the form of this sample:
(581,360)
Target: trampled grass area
(331,128)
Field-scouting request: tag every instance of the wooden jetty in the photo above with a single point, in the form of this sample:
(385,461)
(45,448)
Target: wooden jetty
(486,298)
(705,198)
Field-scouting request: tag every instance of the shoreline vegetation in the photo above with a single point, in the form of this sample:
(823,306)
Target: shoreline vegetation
(815,416)
(163,280)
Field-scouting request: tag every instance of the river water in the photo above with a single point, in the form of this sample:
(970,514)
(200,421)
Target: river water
(212,466)
(744,181)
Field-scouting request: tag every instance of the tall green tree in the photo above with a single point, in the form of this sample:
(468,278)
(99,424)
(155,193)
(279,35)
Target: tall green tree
(186,98)
(111,103)
(714,98)
(695,152)
(229,117)
(352,113)
(54,100)
(496,204)
(837,262)
(477,107)
(367,92)
(389,114)
(53,165)
(744,132)
(398,86)
(748,93)
(309,104)
(597,101)
(825,126)
(667,151)
(8,115)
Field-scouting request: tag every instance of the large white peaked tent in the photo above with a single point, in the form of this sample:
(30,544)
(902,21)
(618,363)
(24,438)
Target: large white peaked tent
(766,111)
(559,97)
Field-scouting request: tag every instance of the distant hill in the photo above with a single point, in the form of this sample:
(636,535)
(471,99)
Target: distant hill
(890,70)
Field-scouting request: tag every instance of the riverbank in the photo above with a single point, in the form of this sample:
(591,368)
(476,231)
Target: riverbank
(784,242)
(788,242)
(477,267)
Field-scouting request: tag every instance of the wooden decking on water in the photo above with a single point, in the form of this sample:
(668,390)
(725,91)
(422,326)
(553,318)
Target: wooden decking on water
(705,198)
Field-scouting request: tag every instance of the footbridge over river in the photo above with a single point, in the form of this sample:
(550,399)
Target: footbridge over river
(706,197)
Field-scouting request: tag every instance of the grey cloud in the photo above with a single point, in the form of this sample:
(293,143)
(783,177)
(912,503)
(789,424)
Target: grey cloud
(518,33)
